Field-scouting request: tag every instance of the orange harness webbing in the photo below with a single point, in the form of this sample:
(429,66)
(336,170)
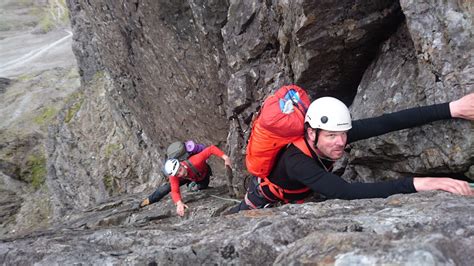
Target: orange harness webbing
(280,192)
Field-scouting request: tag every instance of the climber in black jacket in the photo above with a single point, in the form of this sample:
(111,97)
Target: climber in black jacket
(305,166)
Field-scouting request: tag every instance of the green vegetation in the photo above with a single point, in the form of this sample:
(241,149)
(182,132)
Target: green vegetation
(108,181)
(64,18)
(98,75)
(36,11)
(73,73)
(51,16)
(46,23)
(71,112)
(25,77)
(75,96)
(111,183)
(36,172)
(46,115)
(111,148)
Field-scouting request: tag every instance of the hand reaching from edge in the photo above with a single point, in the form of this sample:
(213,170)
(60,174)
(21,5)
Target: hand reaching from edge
(445,183)
(227,161)
(463,107)
(180,207)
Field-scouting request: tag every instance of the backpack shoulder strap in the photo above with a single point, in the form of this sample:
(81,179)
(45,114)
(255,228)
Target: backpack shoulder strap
(301,145)
(195,171)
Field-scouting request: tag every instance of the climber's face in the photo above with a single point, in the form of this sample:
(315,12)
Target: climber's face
(182,171)
(332,143)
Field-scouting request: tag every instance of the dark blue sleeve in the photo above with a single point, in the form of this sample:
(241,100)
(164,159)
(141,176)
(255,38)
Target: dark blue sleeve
(371,127)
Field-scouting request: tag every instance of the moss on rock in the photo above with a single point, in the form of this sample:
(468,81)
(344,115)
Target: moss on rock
(111,148)
(35,172)
(111,183)
(71,111)
(45,116)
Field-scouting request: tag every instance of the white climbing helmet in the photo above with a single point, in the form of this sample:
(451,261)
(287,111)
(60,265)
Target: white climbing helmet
(171,167)
(328,113)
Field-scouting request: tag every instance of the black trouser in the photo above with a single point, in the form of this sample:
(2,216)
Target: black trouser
(253,199)
(165,189)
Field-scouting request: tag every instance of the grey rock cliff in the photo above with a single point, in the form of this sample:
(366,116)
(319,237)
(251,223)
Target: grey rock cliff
(398,230)
(178,66)
(419,67)
(166,66)
(98,151)
(157,71)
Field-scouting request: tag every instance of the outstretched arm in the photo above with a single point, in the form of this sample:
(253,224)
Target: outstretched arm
(176,195)
(412,117)
(445,183)
(308,172)
(215,151)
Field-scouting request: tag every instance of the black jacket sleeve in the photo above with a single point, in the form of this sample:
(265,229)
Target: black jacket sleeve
(308,172)
(371,127)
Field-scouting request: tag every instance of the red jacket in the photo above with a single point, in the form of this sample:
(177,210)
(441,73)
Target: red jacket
(199,162)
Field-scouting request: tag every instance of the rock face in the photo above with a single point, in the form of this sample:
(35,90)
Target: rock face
(398,230)
(98,151)
(166,67)
(4,82)
(243,50)
(38,72)
(177,66)
(434,68)
(158,71)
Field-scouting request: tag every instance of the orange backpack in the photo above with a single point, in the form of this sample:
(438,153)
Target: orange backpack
(279,122)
